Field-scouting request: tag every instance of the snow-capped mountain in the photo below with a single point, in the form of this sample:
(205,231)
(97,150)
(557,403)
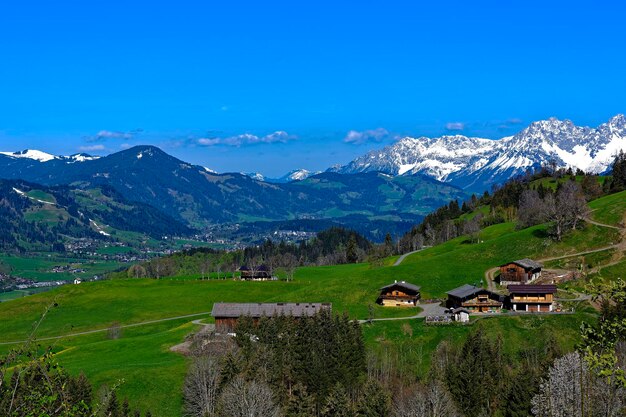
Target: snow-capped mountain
(476,163)
(31,154)
(254,175)
(40,156)
(295,175)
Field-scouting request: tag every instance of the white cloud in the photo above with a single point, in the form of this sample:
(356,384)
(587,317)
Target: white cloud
(279,136)
(356,137)
(458,126)
(109,134)
(91,148)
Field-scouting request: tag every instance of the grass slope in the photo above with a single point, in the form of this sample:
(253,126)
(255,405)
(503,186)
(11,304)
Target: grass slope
(153,375)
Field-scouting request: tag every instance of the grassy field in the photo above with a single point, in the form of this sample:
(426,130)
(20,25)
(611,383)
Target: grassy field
(609,209)
(153,375)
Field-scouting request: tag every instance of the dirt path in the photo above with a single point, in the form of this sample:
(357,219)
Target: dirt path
(403,257)
(429,309)
(621,246)
(104,330)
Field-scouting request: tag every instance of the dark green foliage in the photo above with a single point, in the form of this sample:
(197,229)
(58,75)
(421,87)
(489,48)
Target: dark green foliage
(474,376)
(374,401)
(300,403)
(337,403)
(618,182)
(307,358)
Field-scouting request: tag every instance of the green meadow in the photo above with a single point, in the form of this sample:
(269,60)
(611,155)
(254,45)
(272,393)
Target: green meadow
(153,375)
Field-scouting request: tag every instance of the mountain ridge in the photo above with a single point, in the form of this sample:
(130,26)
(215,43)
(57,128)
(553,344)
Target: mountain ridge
(475,164)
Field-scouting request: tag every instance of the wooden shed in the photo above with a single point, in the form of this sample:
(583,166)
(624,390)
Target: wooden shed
(399,294)
(227,314)
(523,271)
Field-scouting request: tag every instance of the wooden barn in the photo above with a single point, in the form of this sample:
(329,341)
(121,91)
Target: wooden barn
(475,299)
(399,294)
(536,298)
(227,314)
(523,271)
(260,273)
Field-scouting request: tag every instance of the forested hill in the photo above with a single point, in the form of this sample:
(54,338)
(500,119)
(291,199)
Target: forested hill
(35,217)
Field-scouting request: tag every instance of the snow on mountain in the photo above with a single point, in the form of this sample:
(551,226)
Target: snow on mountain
(476,163)
(40,156)
(81,157)
(254,175)
(295,175)
(31,154)
(209,170)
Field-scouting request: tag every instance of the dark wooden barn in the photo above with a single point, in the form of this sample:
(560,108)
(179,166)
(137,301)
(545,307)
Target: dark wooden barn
(475,299)
(260,273)
(399,294)
(227,314)
(523,271)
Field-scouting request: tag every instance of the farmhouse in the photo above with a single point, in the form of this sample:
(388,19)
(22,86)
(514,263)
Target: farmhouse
(474,299)
(227,314)
(523,271)
(260,273)
(538,298)
(399,294)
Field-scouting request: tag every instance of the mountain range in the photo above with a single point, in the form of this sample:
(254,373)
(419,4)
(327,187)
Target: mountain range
(199,198)
(397,184)
(475,164)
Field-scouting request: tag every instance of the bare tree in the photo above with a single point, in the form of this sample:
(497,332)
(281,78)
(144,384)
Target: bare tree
(430,401)
(571,200)
(531,209)
(201,389)
(472,228)
(289,263)
(248,399)
(571,390)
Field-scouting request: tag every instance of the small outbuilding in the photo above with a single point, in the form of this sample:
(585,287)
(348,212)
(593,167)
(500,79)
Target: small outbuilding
(260,273)
(462,315)
(475,299)
(535,298)
(399,294)
(523,271)
(227,314)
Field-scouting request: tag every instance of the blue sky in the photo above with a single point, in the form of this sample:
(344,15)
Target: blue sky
(270,86)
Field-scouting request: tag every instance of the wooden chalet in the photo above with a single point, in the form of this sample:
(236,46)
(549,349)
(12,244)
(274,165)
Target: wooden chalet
(261,273)
(536,298)
(227,314)
(399,294)
(523,271)
(475,299)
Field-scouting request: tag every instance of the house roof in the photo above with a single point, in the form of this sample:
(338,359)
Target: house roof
(402,284)
(532,289)
(234,310)
(460,310)
(260,268)
(526,263)
(464,291)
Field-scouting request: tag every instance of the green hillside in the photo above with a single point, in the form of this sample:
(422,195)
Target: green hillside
(153,375)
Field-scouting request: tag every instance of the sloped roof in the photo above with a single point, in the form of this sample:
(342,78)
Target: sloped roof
(234,310)
(460,310)
(464,291)
(532,289)
(526,263)
(402,284)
